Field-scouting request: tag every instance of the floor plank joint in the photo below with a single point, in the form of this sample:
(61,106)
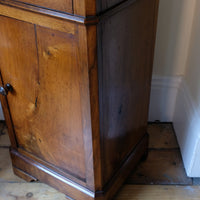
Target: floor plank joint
(160,176)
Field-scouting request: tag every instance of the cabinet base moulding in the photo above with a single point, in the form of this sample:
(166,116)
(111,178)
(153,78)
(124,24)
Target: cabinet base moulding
(23,165)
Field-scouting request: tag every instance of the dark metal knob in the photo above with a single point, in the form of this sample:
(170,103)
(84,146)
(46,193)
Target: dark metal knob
(7,88)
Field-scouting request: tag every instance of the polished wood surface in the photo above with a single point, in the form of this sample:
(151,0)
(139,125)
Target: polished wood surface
(124,81)
(72,7)
(66,5)
(78,112)
(158,192)
(94,99)
(39,19)
(41,79)
(13,187)
(164,164)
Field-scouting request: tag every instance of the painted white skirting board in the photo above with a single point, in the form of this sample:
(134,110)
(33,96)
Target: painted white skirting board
(163,98)
(171,101)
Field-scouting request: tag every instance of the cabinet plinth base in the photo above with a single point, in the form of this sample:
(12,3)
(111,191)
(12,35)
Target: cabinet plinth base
(30,170)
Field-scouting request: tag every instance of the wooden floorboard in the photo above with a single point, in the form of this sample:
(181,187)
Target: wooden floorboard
(4,139)
(161,167)
(30,191)
(154,179)
(162,136)
(158,192)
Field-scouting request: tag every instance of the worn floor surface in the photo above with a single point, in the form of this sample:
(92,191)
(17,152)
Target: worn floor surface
(160,177)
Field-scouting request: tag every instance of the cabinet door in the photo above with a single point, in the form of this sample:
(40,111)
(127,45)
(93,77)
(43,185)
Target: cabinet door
(60,5)
(47,102)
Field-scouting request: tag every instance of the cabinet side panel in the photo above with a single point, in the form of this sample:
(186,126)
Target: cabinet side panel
(106,4)
(127,38)
(94,103)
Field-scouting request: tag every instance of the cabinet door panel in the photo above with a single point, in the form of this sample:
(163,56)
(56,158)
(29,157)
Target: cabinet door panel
(60,5)
(45,106)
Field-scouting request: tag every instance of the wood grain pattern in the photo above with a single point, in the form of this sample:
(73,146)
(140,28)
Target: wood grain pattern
(161,167)
(77,7)
(120,176)
(162,136)
(157,192)
(62,183)
(65,6)
(136,192)
(25,176)
(39,83)
(73,9)
(39,190)
(71,188)
(86,45)
(86,8)
(54,23)
(30,191)
(78,112)
(94,99)
(60,80)
(91,7)
(12,35)
(124,80)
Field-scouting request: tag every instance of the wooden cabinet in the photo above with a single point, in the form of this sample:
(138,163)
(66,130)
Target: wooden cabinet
(75,90)
(59,5)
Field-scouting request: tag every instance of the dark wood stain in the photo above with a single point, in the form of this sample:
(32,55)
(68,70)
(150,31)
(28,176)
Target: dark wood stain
(162,136)
(162,167)
(125,67)
(77,118)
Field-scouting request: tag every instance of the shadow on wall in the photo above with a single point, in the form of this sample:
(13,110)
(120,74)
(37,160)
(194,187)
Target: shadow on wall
(187,113)
(163,98)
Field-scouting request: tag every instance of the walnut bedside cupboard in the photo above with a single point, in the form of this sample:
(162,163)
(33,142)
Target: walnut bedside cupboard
(75,85)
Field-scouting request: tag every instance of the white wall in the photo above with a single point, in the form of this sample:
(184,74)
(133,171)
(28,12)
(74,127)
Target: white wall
(173,37)
(175,92)
(172,43)
(192,74)
(187,117)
